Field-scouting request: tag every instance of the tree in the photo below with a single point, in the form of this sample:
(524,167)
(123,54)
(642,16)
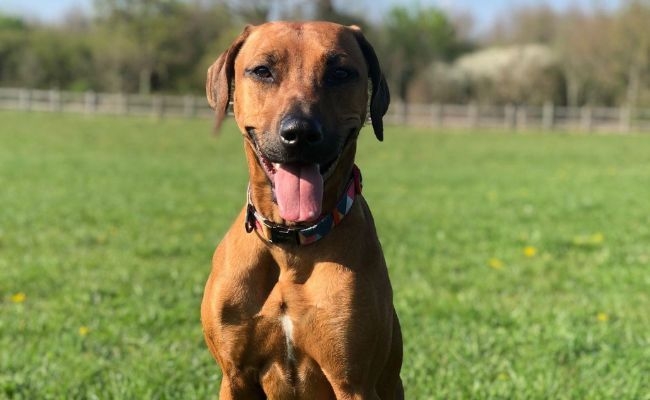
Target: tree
(154,45)
(524,25)
(141,30)
(585,45)
(251,11)
(413,39)
(54,59)
(13,35)
(632,50)
(519,74)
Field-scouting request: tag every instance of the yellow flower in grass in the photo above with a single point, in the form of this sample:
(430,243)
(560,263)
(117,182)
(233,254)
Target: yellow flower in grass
(83,331)
(495,263)
(602,317)
(592,240)
(503,377)
(18,297)
(597,238)
(530,251)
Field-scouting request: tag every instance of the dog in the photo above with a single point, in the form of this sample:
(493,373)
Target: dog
(298,304)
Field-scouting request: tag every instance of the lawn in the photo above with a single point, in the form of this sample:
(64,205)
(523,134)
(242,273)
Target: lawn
(520,262)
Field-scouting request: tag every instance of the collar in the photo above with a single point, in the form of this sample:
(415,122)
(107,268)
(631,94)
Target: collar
(282,234)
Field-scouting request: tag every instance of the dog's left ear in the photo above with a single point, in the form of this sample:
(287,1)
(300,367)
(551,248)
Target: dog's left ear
(220,75)
(380,96)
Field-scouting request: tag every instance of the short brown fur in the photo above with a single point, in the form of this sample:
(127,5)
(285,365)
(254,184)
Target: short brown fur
(345,340)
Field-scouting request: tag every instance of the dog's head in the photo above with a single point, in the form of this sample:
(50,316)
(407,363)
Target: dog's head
(300,97)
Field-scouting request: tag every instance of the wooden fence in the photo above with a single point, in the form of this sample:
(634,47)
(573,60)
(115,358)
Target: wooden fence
(158,106)
(521,118)
(469,116)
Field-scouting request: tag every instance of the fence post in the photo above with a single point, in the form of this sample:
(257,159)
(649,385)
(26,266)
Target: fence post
(509,116)
(157,107)
(122,104)
(25,99)
(54,97)
(472,115)
(403,112)
(625,117)
(189,106)
(90,102)
(585,119)
(521,118)
(548,116)
(436,115)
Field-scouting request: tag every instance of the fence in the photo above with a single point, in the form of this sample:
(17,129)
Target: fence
(103,103)
(521,118)
(471,116)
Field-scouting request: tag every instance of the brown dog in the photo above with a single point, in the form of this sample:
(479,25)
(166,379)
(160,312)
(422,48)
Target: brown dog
(299,304)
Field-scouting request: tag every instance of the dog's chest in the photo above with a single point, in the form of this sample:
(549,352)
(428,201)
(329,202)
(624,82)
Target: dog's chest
(286,336)
(279,326)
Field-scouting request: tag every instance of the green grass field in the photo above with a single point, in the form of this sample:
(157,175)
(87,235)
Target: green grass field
(520,263)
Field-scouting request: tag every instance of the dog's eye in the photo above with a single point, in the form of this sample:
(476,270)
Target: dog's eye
(339,75)
(262,72)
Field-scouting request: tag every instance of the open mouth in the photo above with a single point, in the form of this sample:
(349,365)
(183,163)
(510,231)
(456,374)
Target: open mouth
(298,186)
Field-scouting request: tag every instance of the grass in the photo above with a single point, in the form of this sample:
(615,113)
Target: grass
(520,263)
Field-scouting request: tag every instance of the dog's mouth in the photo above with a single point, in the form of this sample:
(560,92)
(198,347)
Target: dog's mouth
(297,185)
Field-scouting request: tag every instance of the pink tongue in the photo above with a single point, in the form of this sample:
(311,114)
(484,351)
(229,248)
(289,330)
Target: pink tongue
(299,191)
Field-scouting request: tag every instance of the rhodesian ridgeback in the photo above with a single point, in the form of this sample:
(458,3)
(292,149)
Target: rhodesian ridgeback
(299,304)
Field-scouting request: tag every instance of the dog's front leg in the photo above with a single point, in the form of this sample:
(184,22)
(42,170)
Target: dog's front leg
(236,386)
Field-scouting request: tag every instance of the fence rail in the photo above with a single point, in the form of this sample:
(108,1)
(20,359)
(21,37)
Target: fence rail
(521,118)
(103,103)
(470,116)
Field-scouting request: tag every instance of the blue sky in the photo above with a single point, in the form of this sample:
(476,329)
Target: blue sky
(484,11)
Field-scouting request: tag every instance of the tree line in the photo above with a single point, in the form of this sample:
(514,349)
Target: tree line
(533,55)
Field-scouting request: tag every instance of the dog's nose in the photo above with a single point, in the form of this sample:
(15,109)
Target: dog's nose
(300,131)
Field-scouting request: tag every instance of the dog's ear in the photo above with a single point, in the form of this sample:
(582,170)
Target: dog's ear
(380,96)
(220,75)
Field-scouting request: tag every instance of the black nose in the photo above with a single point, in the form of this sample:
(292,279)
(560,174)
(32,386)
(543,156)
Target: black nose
(300,131)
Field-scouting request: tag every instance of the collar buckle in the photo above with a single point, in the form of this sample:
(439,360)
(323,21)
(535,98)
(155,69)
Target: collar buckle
(282,235)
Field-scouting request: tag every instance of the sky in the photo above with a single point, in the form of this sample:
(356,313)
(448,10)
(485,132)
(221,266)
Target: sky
(483,11)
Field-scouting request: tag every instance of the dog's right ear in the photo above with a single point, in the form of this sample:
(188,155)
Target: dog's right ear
(220,75)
